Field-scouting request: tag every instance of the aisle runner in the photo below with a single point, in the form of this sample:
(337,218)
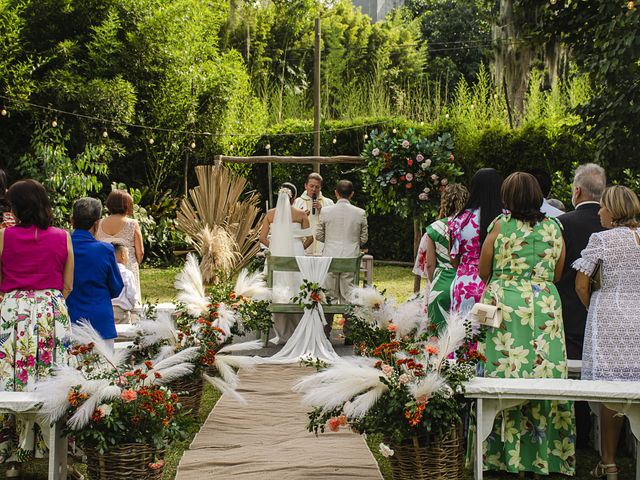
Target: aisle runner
(267,439)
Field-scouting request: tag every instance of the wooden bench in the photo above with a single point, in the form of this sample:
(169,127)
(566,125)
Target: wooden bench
(27,404)
(289,264)
(494,395)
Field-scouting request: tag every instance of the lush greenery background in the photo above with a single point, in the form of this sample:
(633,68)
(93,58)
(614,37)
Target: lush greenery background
(517,83)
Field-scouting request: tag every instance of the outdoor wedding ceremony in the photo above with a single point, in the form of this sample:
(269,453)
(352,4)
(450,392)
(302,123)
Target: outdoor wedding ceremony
(319,239)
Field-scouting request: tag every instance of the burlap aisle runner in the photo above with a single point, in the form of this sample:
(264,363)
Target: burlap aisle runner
(267,439)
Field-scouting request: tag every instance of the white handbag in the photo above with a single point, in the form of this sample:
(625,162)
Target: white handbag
(487,315)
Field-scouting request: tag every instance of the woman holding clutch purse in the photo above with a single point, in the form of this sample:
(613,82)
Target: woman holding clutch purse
(612,336)
(521,258)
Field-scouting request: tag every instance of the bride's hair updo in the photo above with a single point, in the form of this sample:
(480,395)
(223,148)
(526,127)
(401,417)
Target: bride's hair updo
(292,190)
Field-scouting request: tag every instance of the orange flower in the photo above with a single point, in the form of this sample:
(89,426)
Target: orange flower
(148,363)
(157,374)
(333,424)
(128,395)
(392,327)
(431,349)
(343,420)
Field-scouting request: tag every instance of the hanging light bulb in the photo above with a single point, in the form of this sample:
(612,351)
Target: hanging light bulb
(105,134)
(54,123)
(231,146)
(193,144)
(366,137)
(267,146)
(334,141)
(394,130)
(4,112)
(151,141)
(422,123)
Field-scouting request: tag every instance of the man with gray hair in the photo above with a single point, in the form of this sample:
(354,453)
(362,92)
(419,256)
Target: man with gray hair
(96,276)
(589,182)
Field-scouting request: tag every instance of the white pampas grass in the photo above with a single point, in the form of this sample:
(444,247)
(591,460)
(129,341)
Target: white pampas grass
(360,405)
(99,391)
(426,386)
(53,391)
(190,287)
(172,373)
(225,388)
(226,319)
(252,285)
(367,297)
(155,331)
(84,333)
(183,356)
(241,347)
(341,382)
(450,339)
(408,317)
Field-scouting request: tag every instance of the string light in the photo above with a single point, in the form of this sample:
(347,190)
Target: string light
(422,123)
(394,130)
(193,145)
(105,133)
(54,123)
(4,112)
(267,146)
(151,141)
(334,141)
(366,137)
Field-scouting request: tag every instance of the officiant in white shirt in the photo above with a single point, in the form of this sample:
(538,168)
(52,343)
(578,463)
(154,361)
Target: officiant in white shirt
(343,228)
(312,202)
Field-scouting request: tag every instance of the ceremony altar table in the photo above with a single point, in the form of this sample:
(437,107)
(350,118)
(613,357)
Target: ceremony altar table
(494,395)
(27,404)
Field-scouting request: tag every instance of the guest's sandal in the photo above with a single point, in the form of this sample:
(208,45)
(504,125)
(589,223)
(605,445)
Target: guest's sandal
(602,471)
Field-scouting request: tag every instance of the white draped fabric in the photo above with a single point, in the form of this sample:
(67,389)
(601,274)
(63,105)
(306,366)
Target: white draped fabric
(309,339)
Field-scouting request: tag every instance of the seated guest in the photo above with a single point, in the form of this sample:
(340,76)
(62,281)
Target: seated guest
(433,261)
(521,257)
(612,336)
(555,203)
(36,261)
(96,276)
(124,304)
(544,180)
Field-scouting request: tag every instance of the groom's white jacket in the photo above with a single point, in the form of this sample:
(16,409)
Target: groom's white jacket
(343,229)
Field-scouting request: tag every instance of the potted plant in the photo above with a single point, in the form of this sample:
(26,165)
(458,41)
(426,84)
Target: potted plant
(405,386)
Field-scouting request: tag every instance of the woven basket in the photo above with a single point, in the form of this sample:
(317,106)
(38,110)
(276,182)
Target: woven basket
(189,391)
(125,462)
(428,458)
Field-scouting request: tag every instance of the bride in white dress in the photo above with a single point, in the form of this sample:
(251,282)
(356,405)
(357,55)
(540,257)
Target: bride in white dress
(285,231)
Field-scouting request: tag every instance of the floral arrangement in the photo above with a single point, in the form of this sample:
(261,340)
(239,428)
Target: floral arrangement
(405,173)
(310,295)
(405,384)
(109,402)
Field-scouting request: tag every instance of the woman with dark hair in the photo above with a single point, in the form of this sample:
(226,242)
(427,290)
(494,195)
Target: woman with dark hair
(467,232)
(522,257)
(118,227)
(36,265)
(433,261)
(5,208)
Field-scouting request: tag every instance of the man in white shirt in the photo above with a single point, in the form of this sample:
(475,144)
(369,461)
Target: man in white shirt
(312,201)
(544,180)
(124,304)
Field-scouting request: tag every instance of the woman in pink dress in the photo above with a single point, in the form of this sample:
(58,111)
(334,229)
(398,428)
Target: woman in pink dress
(467,231)
(117,227)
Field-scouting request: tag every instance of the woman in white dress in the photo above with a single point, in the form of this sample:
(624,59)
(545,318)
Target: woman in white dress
(612,335)
(285,231)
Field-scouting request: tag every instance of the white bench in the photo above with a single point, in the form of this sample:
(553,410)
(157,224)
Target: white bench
(26,404)
(494,395)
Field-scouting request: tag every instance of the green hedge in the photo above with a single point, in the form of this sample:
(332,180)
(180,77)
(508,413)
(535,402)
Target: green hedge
(536,144)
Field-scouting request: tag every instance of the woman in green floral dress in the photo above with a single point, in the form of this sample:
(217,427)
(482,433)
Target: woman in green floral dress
(433,260)
(522,257)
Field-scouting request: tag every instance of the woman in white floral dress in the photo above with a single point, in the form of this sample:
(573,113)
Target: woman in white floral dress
(612,335)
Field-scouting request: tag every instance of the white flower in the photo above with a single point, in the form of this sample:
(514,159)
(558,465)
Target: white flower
(434,177)
(427,162)
(386,451)
(424,166)
(404,379)
(375,152)
(444,181)
(426,190)
(423,196)
(459,389)
(447,392)
(406,144)
(419,158)
(105,409)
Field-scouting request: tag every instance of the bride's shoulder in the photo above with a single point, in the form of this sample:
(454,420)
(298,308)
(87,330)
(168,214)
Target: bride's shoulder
(296,212)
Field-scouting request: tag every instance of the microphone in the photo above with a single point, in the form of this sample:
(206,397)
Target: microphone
(313,204)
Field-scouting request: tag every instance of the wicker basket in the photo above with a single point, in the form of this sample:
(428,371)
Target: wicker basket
(189,391)
(125,462)
(429,458)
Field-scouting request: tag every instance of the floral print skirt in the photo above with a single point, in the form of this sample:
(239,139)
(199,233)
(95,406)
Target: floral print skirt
(34,333)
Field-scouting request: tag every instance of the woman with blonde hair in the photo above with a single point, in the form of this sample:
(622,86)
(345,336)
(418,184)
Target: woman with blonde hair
(433,261)
(612,336)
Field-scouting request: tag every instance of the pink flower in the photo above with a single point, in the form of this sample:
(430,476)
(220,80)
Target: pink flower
(451,157)
(334,424)
(409,176)
(427,162)
(391,327)
(128,395)
(393,181)
(23,376)
(406,144)
(404,379)
(375,152)
(419,158)
(31,361)
(45,357)
(423,196)
(387,369)
(157,465)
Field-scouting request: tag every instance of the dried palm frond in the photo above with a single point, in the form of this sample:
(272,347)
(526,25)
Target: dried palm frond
(191,287)
(218,251)
(217,201)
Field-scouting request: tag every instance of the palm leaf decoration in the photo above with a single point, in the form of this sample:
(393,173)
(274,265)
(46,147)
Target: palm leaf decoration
(222,223)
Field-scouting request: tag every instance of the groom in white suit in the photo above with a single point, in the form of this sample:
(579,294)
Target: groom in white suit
(343,229)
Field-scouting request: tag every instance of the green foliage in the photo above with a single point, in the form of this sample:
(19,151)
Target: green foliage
(404,173)
(66,178)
